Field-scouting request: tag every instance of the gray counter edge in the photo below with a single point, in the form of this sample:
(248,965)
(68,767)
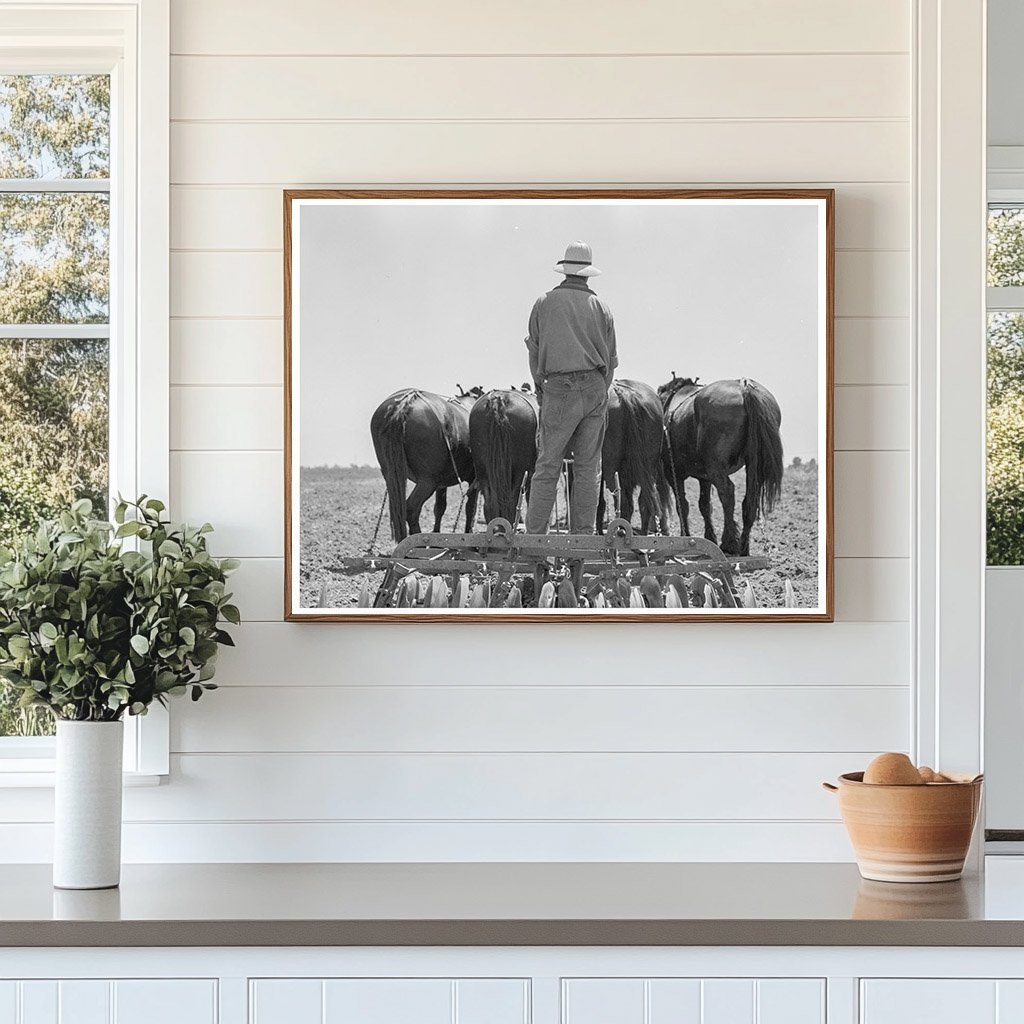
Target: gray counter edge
(510,933)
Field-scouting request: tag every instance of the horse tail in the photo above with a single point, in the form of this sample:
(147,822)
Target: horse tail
(499,496)
(390,445)
(764,445)
(635,469)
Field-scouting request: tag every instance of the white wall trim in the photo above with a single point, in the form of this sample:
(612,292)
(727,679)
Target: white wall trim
(131,41)
(950,437)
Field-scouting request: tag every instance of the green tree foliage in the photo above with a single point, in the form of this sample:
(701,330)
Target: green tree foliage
(1005,486)
(54,269)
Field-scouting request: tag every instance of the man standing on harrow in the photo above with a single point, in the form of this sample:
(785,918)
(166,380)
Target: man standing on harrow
(572,359)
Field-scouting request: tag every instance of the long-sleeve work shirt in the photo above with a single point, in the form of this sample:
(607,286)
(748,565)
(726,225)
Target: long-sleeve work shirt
(571,329)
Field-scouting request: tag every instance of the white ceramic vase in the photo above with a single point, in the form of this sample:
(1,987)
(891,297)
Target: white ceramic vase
(87,805)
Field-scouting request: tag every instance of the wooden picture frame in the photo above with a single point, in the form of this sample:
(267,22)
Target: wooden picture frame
(499,545)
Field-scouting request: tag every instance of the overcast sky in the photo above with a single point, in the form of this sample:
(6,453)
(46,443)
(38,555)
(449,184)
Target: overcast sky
(396,295)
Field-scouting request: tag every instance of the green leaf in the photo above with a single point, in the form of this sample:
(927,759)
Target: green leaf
(231,613)
(170,549)
(48,631)
(140,644)
(18,646)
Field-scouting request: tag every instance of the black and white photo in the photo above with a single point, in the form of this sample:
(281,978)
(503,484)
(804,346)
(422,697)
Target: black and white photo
(566,405)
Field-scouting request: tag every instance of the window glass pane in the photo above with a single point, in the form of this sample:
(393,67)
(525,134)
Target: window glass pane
(1005,246)
(54,257)
(1006,439)
(53,449)
(54,126)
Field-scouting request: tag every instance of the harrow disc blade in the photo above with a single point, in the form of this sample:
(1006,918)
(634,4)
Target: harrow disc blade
(567,595)
(650,591)
(677,585)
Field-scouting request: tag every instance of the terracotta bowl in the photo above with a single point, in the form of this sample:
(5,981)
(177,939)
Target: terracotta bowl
(909,833)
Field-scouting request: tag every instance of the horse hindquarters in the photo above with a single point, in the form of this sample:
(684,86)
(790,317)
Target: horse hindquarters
(763,456)
(387,429)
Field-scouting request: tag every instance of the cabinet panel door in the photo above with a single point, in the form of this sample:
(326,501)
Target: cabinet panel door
(675,1001)
(39,1002)
(84,1002)
(8,1002)
(286,1001)
(727,1001)
(492,1001)
(693,1001)
(791,1001)
(603,1001)
(931,1001)
(165,1002)
(388,1001)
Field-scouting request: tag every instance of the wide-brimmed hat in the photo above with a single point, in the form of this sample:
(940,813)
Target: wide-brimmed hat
(577,261)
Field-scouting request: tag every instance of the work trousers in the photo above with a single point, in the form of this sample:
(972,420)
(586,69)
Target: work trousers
(572,421)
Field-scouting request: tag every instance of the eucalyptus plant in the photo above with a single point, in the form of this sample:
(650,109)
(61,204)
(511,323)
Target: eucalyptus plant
(98,619)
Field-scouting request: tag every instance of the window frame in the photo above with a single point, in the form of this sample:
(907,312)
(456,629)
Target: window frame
(130,41)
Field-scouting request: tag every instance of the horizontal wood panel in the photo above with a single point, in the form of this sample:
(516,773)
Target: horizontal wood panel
(872,589)
(716,787)
(466,718)
(538,88)
(258,586)
(872,504)
(234,284)
(459,842)
(576,152)
(872,418)
(227,352)
(873,284)
(533,26)
(868,216)
(240,418)
(872,350)
(754,654)
(867,589)
(243,494)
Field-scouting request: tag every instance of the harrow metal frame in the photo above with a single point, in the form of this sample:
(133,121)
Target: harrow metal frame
(618,554)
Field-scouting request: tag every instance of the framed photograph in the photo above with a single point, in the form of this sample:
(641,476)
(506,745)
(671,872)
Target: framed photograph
(558,405)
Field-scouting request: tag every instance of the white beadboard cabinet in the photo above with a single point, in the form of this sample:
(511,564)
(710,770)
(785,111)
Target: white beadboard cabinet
(513,985)
(103,1001)
(942,1001)
(693,1001)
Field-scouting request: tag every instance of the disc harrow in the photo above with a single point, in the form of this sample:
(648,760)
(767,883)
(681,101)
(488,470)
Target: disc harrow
(500,568)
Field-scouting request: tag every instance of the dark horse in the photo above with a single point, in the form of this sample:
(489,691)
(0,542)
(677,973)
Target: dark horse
(633,441)
(423,437)
(503,439)
(712,431)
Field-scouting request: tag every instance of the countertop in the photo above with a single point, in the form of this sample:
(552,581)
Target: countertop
(561,904)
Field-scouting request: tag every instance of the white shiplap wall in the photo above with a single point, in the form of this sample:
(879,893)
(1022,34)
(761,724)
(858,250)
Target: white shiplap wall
(537,742)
